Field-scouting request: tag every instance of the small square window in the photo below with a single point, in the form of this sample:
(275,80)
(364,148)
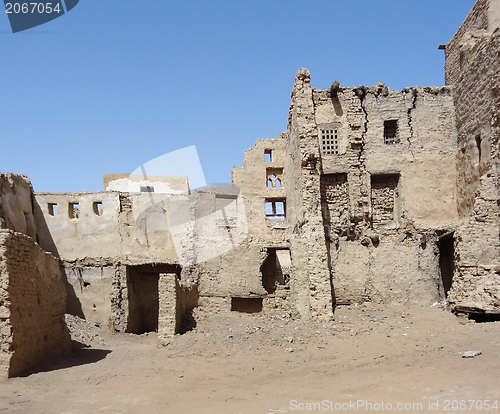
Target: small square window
(391,132)
(329,140)
(52,209)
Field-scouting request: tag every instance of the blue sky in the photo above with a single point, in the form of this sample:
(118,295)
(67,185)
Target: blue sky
(115,83)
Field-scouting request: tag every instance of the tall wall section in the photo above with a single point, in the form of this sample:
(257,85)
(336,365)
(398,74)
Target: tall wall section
(310,276)
(461,49)
(476,283)
(369,162)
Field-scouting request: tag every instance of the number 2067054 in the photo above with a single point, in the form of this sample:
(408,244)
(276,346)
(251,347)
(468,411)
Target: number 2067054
(32,8)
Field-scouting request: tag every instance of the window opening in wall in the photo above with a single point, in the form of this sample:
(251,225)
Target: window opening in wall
(330,143)
(478,145)
(384,196)
(98,208)
(275,209)
(52,209)
(275,269)
(268,155)
(246,305)
(274,177)
(74,210)
(391,132)
(147,189)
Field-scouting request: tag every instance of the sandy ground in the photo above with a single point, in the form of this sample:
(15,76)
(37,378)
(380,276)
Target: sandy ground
(391,357)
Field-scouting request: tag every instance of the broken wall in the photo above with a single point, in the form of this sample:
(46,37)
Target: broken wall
(16,207)
(32,305)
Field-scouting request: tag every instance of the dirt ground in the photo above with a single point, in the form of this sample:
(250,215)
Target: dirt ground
(371,358)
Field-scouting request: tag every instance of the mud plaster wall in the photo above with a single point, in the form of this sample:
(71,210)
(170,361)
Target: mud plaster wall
(129,224)
(71,235)
(460,50)
(89,289)
(252,180)
(380,201)
(16,209)
(32,305)
(477,99)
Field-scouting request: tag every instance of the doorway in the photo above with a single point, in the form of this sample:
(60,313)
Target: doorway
(446,260)
(143,297)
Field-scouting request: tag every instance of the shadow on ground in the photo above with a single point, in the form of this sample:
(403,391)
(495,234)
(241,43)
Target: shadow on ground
(81,354)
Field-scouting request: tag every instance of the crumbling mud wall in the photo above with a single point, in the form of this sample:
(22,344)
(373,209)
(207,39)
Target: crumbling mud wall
(476,282)
(16,207)
(367,191)
(461,49)
(32,305)
(176,300)
(105,224)
(310,284)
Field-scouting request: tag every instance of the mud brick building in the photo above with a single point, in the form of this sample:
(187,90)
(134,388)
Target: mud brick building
(371,194)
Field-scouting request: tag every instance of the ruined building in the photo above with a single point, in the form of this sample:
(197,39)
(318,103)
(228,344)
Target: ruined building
(371,194)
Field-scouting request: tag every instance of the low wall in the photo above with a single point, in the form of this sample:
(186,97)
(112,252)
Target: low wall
(32,305)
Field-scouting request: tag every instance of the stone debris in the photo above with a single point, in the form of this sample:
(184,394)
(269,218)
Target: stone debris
(471,354)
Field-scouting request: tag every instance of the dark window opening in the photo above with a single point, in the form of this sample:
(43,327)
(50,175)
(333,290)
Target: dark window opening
(268,155)
(478,145)
(143,301)
(74,210)
(484,317)
(446,261)
(330,141)
(275,209)
(98,208)
(246,305)
(391,132)
(52,209)
(147,189)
